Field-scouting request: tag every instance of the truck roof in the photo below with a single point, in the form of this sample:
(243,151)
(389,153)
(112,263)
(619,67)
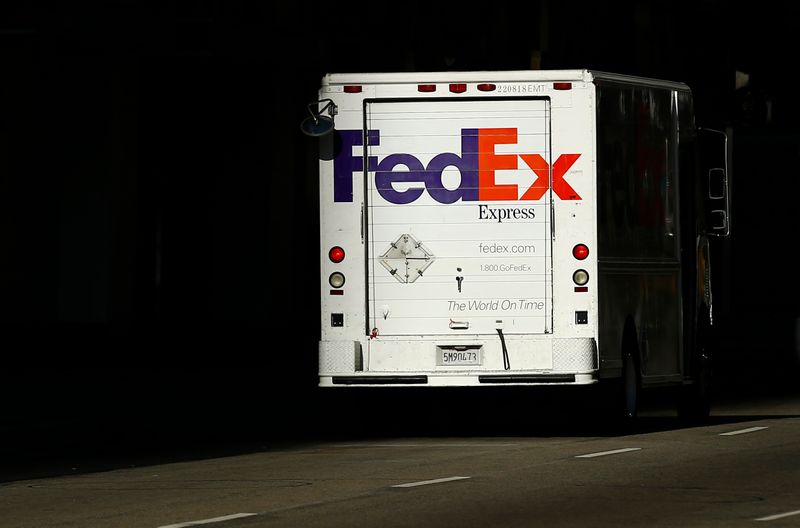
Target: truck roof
(495,76)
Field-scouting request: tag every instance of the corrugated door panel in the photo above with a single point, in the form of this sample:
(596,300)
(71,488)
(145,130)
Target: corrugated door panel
(458,217)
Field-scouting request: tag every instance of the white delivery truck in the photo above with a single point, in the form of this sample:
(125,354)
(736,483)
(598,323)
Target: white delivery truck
(516,228)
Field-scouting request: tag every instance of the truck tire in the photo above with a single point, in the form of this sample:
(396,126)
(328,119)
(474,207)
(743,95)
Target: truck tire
(694,400)
(631,386)
(620,396)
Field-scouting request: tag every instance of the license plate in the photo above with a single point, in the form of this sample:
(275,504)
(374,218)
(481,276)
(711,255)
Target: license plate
(468,357)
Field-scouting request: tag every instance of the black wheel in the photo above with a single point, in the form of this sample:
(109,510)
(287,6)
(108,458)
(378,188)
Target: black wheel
(631,387)
(620,396)
(694,400)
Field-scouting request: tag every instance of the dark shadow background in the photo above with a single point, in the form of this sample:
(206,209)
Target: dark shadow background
(158,203)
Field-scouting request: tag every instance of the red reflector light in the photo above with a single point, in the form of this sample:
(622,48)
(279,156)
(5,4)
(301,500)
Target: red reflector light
(562,86)
(458,88)
(352,88)
(577,289)
(486,87)
(580,251)
(426,88)
(336,254)
(337,292)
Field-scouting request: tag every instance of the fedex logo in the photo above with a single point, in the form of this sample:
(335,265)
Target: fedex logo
(477,164)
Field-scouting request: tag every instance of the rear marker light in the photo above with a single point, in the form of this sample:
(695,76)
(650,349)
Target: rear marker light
(562,86)
(580,277)
(577,289)
(580,251)
(486,87)
(336,254)
(352,89)
(337,292)
(458,88)
(336,280)
(426,88)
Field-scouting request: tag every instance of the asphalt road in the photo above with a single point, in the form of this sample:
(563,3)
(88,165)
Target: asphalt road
(740,469)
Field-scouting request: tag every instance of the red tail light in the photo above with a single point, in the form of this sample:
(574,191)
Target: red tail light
(458,88)
(336,254)
(580,251)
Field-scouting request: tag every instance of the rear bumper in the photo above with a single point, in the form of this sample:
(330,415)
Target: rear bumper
(534,360)
(460,380)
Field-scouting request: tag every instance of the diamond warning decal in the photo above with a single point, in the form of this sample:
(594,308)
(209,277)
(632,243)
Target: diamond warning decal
(406,259)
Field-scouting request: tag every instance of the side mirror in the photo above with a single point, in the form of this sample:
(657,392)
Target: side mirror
(715,181)
(316,124)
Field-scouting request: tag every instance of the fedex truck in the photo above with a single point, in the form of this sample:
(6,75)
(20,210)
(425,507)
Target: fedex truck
(517,228)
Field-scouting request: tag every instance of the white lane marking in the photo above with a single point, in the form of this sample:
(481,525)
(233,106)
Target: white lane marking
(426,482)
(778,516)
(743,431)
(424,445)
(614,452)
(209,521)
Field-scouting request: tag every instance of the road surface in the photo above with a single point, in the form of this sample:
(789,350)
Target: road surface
(740,469)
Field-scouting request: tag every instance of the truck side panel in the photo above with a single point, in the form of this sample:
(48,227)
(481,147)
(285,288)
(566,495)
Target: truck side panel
(638,233)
